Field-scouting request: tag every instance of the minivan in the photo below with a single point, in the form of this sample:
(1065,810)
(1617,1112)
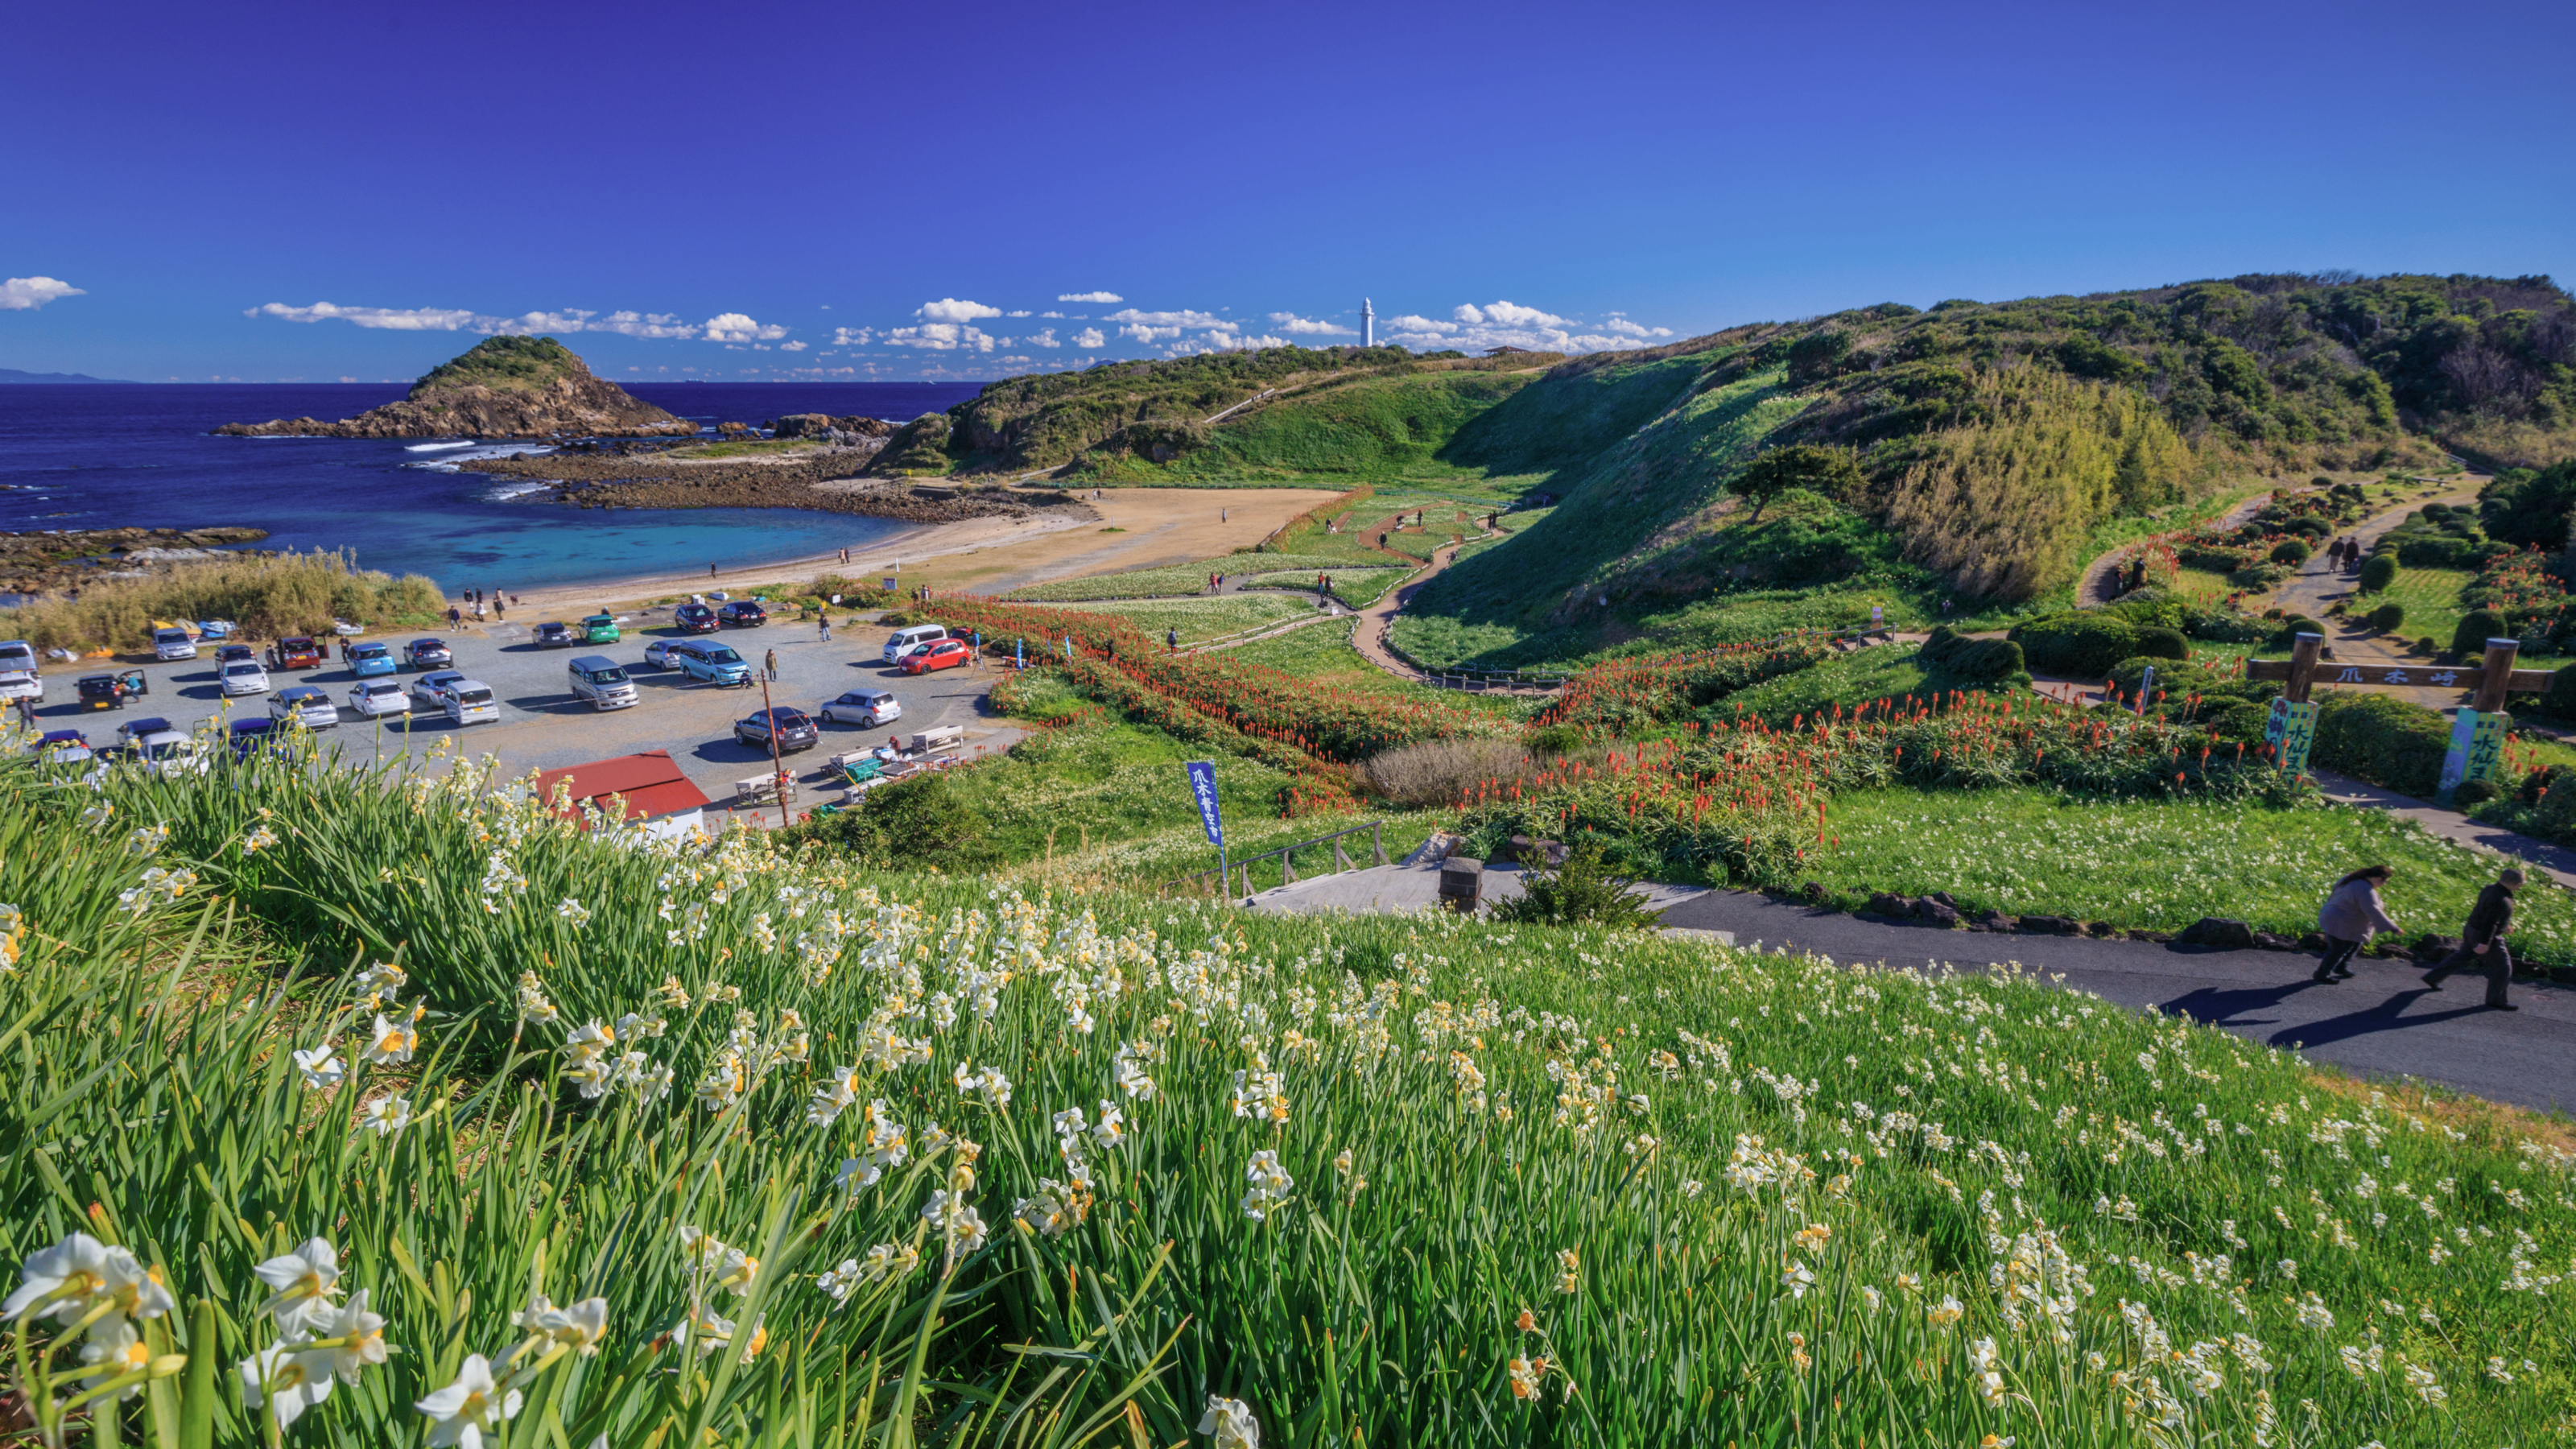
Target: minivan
(469,701)
(903,641)
(602,681)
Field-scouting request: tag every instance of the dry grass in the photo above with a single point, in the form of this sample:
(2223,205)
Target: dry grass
(283,594)
(1439,772)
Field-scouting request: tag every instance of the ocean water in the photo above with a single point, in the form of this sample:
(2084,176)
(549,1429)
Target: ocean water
(116,455)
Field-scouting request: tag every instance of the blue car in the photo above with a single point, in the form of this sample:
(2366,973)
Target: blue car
(714,663)
(249,735)
(365,660)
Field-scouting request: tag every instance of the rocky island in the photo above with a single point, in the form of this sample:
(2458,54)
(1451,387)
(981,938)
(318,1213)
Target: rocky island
(503,387)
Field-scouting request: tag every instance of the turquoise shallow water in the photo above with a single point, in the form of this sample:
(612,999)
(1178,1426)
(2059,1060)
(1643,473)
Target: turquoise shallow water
(120,455)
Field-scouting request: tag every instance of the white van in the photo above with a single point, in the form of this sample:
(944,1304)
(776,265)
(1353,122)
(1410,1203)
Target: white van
(18,676)
(602,681)
(903,641)
(469,701)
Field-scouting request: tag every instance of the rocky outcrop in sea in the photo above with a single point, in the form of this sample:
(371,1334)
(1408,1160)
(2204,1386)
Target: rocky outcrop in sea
(505,387)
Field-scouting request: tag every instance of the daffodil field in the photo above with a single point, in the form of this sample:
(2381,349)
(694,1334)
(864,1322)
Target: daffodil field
(341,1108)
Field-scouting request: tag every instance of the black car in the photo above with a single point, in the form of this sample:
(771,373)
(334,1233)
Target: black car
(111,691)
(796,730)
(227,653)
(694,619)
(744,614)
(553,636)
(428,654)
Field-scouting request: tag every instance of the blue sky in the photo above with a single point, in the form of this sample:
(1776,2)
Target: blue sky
(858,190)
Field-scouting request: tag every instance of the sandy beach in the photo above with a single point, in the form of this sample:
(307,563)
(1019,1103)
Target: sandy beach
(1127,528)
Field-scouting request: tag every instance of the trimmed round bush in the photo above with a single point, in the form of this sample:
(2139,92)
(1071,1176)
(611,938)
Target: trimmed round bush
(2388,618)
(2392,744)
(2475,630)
(2291,551)
(2309,527)
(2378,572)
(2075,646)
(2560,698)
(2161,643)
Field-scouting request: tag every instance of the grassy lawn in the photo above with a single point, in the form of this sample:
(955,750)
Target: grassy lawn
(1176,580)
(2157,864)
(2431,598)
(1204,617)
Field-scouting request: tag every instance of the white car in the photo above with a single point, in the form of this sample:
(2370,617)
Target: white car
(430,690)
(376,698)
(244,677)
(303,704)
(867,708)
(164,751)
(170,644)
(18,676)
(470,701)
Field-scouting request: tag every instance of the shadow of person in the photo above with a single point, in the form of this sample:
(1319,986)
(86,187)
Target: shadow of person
(2388,1015)
(2235,1006)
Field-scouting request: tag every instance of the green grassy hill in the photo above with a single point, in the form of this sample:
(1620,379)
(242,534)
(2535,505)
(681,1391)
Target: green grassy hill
(1975,452)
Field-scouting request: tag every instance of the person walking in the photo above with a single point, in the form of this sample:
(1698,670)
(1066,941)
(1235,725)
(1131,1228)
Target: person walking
(824,622)
(499,612)
(1172,640)
(2352,915)
(455,620)
(771,664)
(2482,941)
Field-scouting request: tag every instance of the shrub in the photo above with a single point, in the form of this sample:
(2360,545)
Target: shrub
(2388,618)
(2560,698)
(2476,792)
(908,825)
(2309,527)
(2292,551)
(2392,744)
(1982,661)
(291,593)
(2075,645)
(2162,643)
(1581,890)
(2378,572)
(2475,630)
(1555,739)
(2287,635)
(2429,644)
(1438,772)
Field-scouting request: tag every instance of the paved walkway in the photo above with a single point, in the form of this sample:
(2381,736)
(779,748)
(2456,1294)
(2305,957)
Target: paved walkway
(2381,1023)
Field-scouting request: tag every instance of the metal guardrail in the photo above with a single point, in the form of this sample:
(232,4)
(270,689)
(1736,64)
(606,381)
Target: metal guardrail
(1286,856)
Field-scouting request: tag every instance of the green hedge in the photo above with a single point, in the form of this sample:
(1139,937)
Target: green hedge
(2378,572)
(2076,646)
(2388,618)
(2392,744)
(1966,659)
(2475,630)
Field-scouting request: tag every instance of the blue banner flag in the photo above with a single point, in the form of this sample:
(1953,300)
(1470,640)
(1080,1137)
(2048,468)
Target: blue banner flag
(1203,786)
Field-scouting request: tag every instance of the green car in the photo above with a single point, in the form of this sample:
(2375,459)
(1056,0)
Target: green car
(599,629)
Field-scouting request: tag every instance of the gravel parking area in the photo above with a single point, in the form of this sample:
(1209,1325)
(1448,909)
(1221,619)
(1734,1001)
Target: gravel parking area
(542,727)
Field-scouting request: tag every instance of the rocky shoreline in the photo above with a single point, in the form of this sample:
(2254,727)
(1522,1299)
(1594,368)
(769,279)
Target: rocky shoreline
(827,480)
(55,559)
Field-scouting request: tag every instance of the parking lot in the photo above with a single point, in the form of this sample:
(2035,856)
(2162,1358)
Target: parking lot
(542,727)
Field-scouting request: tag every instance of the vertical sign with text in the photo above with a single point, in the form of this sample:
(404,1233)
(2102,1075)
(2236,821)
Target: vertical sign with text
(1203,788)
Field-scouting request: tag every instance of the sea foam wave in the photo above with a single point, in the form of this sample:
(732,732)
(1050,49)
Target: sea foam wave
(436,447)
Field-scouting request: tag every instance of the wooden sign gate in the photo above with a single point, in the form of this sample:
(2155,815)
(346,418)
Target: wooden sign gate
(2477,733)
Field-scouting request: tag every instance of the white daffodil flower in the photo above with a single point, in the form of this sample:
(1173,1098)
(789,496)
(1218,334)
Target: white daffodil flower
(465,1410)
(304,1282)
(84,1271)
(385,1116)
(115,1348)
(1231,1421)
(359,1338)
(322,1071)
(286,1380)
(392,1042)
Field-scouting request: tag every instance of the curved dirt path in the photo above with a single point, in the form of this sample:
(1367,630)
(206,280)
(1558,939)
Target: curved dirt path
(1369,637)
(2094,589)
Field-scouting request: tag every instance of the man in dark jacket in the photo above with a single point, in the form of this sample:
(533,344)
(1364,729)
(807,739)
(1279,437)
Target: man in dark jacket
(2482,941)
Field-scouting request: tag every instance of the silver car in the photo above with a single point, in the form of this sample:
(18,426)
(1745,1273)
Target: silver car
(169,644)
(244,677)
(376,698)
(866,708)
(305,705)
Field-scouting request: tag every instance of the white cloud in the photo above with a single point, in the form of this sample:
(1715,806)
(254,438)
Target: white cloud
(1507,314)
(1090,337)
(1058,315)
(1023,312)
(735,327)
(1291,322)
(642,324)
(852,336)
(950,309)
(791,346)
(390,319)
(25,294)
(1101,297)
(1143,333)
(1170,319)
(939,337)
(1508,324)
(1044,337)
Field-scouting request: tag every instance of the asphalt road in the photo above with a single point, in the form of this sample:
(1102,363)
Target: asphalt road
(2381,1023)
(542,727)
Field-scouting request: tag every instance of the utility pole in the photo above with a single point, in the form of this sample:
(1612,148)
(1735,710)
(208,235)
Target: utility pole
(778,772)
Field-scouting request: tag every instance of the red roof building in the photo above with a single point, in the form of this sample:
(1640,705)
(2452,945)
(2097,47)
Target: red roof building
(651,783)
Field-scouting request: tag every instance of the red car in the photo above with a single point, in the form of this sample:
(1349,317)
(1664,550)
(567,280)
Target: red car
(298,653)
(946,654)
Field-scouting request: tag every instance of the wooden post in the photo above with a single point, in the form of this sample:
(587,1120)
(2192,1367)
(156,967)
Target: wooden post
(1377,838)
(1288,865)
(2499,671)
(2303,667)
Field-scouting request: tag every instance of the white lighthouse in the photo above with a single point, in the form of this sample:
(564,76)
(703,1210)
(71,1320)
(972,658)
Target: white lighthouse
(1368,324)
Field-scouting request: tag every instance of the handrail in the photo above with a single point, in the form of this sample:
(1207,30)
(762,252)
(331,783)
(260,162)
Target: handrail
(1287,857)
